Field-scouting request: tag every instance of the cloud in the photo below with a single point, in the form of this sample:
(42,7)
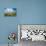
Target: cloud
(7,10)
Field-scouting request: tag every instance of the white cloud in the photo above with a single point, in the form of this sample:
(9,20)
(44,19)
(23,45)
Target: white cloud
(9,10)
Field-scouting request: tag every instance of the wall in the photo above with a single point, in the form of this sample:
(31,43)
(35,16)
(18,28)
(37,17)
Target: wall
(28,12)
(33,12)
(7,24)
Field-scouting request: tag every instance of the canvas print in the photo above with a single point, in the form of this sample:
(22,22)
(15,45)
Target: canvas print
(9,11)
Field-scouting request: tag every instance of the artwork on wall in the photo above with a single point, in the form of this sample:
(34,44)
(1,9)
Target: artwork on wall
(9,11)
